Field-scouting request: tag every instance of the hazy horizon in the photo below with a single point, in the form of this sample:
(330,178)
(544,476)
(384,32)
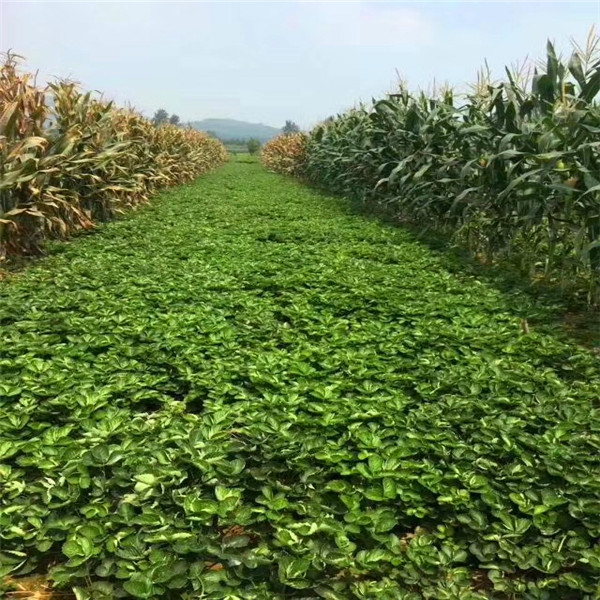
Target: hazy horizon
(265,62)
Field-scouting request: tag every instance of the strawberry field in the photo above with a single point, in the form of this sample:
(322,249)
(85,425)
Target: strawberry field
(246,390)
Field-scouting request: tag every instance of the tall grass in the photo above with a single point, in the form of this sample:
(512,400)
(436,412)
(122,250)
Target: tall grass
(68,159)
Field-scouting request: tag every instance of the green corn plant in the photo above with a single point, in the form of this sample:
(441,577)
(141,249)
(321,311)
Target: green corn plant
(510,169)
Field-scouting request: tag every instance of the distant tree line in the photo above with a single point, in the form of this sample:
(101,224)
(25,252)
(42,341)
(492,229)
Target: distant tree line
(253,145)
(161,116)
(290,127)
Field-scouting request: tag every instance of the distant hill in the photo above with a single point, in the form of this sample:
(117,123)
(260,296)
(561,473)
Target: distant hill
(230,129)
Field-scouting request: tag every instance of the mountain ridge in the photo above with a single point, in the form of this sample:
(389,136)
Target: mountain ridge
(234,129)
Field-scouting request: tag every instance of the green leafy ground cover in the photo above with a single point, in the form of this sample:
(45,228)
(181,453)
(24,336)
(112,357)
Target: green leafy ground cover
(248,391)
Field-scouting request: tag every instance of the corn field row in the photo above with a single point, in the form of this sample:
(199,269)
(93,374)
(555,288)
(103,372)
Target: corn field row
(511,169)
(69,159)
(285,154)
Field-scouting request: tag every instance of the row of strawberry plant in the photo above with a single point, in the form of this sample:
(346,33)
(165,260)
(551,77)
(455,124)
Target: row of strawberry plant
(249,392)
(68,159)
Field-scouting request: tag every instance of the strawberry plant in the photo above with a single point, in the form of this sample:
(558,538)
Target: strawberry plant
(246,390)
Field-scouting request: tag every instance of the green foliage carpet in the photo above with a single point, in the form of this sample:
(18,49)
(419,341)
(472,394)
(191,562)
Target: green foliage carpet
(247,390)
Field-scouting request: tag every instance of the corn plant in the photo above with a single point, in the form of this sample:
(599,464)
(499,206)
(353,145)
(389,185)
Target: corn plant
(69,159)
(285,153)
(510,169)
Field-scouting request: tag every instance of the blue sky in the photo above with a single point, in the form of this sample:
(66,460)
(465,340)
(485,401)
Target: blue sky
(271,61)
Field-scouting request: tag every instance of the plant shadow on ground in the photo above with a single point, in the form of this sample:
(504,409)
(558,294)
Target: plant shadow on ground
(544,304)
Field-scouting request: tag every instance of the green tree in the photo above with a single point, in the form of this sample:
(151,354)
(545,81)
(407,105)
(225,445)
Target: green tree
(253,146)
(290,127)
(174,119)
(160,116)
